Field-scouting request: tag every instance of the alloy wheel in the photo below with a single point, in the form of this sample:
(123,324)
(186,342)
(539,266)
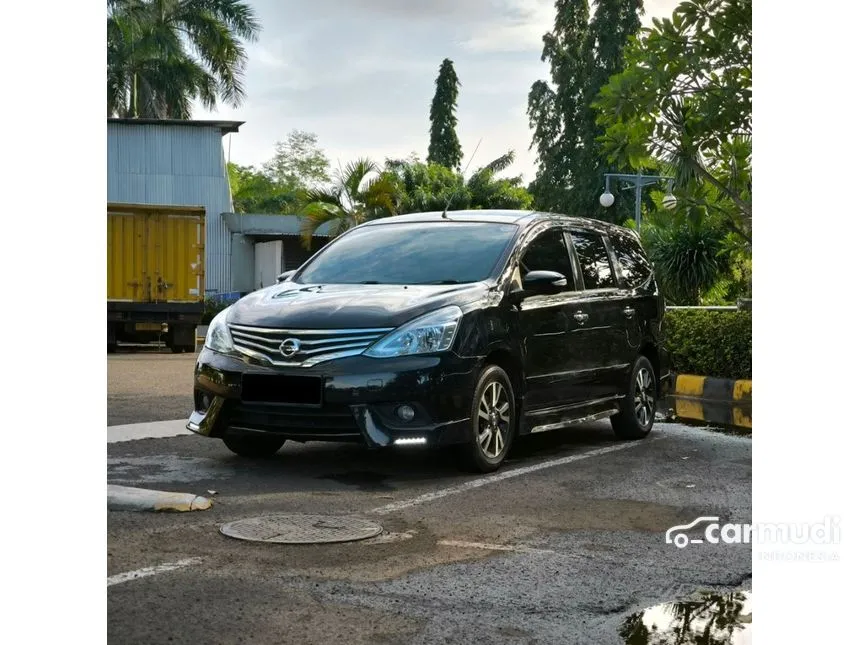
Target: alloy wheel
(493,419)
(644,397)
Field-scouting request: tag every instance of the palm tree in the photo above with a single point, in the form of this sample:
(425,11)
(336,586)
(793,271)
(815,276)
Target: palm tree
(487,191)
(688,246)
(361,192)
(164,54)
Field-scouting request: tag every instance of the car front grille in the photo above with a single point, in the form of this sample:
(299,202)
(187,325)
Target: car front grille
(333,423)
(273,346)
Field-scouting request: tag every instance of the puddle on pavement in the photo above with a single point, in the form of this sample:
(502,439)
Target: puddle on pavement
(734,431)
(706,619)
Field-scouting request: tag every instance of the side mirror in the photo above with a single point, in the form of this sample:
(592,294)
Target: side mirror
(286,275)
(544,282)
(539,282)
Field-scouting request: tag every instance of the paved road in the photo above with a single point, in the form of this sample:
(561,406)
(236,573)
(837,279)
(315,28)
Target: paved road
(149,386)
(559,547)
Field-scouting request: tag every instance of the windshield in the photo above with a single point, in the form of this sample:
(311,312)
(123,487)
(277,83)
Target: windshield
(415,253)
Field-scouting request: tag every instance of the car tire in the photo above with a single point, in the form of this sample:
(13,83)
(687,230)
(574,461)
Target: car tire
(254,446)
(492,422)
(639,407)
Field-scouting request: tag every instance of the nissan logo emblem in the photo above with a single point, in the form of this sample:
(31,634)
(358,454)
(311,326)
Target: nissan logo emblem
(290,347)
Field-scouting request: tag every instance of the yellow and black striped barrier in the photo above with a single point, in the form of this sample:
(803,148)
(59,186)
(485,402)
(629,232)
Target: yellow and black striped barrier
(713,400)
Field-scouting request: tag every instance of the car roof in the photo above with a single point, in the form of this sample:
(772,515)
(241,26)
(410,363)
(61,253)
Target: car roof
(500,216)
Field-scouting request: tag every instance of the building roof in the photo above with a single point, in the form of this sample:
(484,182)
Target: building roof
(224,126)
(268,225)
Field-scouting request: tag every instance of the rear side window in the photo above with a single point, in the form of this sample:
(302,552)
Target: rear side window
(635,268)
(548,253)
(593,260)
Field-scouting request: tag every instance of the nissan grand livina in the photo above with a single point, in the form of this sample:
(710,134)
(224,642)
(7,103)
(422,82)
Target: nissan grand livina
(465,328)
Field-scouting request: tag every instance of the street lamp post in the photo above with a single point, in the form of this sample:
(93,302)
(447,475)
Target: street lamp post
(637,182)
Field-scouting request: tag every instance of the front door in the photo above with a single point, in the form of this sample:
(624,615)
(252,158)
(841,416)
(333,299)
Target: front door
(549,357)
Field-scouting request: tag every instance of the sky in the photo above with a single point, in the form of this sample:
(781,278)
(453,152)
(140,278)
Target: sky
(360,74)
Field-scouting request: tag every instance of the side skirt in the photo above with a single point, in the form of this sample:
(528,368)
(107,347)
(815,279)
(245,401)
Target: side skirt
(544,421)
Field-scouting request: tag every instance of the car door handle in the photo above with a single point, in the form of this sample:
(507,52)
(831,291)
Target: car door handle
(629,312)
(580,316)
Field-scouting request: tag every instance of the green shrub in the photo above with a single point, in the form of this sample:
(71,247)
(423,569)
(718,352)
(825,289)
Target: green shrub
(211,308)
(709,343)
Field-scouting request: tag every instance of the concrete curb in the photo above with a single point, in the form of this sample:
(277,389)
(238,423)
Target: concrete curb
(127,498)
(713,400)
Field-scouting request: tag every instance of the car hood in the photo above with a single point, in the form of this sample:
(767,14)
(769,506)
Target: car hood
(346,306)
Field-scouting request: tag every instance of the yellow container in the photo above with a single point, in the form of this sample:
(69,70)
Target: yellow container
(155,253)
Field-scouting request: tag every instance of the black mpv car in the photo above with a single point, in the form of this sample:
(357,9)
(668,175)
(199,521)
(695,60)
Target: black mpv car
(466,328)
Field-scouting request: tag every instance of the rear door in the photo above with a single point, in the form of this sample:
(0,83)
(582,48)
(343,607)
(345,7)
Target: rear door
(600,325)
(175,256)
(638,288)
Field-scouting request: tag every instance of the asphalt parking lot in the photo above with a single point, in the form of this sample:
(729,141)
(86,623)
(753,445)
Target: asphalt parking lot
(149,385)
(560,546)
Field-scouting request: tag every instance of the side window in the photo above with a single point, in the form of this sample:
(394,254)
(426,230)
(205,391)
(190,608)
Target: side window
(593,260)
(548,253)
(635,268)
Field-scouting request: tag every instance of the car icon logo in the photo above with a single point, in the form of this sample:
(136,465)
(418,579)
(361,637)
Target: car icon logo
(675,534)
(290,347)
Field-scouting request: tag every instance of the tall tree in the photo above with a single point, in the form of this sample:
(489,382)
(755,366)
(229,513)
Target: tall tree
(162,55)
(444,145)
(583,51)
(299,164)
(299,160)
(254,191)
(684,100)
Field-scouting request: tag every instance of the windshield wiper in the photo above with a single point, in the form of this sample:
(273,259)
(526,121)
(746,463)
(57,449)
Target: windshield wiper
(448,281)
(369,282)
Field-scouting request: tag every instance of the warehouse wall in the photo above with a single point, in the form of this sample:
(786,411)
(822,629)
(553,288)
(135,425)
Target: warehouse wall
(179,166)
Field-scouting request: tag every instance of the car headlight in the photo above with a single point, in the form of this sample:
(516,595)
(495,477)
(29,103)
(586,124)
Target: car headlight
(433,332)
(218,337)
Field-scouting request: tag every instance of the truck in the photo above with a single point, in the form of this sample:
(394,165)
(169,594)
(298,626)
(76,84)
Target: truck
(155,274)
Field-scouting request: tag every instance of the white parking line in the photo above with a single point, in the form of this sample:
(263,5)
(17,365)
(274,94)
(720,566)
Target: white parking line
(151,571)
(508,474)
(493,547)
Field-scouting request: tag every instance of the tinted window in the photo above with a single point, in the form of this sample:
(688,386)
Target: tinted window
(593,260)
(548,252)
(634,265)
(419,253)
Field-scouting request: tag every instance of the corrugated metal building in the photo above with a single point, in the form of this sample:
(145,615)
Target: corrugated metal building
(264,246)
(176,163)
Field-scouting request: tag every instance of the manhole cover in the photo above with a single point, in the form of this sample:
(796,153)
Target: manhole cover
(301,529)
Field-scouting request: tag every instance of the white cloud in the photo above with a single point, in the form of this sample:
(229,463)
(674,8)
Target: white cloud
(521,29)
(360,74)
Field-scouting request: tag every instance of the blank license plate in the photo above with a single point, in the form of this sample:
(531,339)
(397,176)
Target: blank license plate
(278,388)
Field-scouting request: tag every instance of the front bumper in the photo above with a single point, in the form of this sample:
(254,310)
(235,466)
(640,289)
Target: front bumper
(360,396)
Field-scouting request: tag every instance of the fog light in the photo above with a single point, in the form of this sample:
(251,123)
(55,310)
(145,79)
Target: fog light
(410,441)
(406,413)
